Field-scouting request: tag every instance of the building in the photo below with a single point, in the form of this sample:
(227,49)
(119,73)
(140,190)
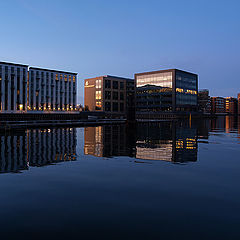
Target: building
(113,95)
(231,105)
(51,90)
(218,105)
(239,104)
(204,101)
(13,87)
(166,90)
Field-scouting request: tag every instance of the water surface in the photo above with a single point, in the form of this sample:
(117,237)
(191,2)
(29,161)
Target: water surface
(161,180)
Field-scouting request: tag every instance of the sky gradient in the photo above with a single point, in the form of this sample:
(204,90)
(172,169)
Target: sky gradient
(121,38)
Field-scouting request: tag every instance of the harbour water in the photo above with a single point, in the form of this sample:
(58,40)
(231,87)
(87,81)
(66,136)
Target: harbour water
(167,180)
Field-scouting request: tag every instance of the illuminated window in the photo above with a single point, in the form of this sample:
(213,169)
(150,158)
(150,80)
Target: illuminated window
(98,95)
(56,77)
(98,83)
(74,78)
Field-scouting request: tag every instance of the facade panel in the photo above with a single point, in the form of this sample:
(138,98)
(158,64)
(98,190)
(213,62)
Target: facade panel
(13,87)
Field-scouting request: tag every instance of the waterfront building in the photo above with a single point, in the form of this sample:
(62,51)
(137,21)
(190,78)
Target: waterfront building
(13,87)
(231,105)
(218,105)
(239,104)
(113,95)
(204,101)
(167,91)
(51,90)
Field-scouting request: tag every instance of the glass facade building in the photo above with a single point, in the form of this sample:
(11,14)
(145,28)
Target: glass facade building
(167,90)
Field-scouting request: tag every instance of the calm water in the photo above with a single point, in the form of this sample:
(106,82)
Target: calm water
(152,181)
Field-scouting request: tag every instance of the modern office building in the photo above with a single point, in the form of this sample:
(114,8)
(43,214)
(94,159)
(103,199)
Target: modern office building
(13,87)
(51,90)
(167,91)
(113,95)
(231,105)
(218,105)
(204,101)
(36,90)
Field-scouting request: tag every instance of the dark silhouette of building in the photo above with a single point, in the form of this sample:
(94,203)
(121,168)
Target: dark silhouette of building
(239,104)
(204,101)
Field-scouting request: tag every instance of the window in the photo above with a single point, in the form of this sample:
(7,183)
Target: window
(107,95)
(98,95)
(107,83)
(98,83)
(115,95)
(115,107)
(121,107)
(121,85)
(56,77)
(115,84)
(121,96)
(107,106)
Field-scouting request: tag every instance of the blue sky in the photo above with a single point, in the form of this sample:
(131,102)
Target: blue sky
(124,37)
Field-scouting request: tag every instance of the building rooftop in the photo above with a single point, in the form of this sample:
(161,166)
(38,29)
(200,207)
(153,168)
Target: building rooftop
(14,64)
(51,70)
(109,76)
(162,71)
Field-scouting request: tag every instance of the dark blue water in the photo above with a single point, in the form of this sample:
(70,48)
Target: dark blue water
(152,181)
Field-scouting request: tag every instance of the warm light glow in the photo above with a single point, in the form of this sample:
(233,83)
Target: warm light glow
(21,107)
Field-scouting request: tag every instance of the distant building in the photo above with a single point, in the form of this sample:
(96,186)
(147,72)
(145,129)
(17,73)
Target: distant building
(218,105)
(13,87)
(113,95)
(231,105)
(51,90)
(204,101)
(239,104)
(166,90)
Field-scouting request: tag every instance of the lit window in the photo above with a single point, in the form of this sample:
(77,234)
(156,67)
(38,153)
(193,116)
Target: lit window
(98,95)
(98,83)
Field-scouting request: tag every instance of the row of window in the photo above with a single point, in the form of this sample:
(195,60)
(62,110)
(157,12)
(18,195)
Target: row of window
(114,96)
(114,107)
(114,84)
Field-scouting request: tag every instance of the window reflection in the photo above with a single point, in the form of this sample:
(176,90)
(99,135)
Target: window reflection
(36,147)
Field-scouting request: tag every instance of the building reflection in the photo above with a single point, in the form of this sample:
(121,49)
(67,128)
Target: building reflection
(155,141)
(108,141)
(36,147)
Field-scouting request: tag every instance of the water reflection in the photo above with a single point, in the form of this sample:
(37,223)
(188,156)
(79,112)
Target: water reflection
(36,147)
(175,142)
(166,141)
(156,141)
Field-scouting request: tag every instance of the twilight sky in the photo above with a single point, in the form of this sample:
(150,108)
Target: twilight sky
(124,37)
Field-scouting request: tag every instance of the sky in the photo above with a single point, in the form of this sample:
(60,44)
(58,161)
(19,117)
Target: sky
(124,37)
